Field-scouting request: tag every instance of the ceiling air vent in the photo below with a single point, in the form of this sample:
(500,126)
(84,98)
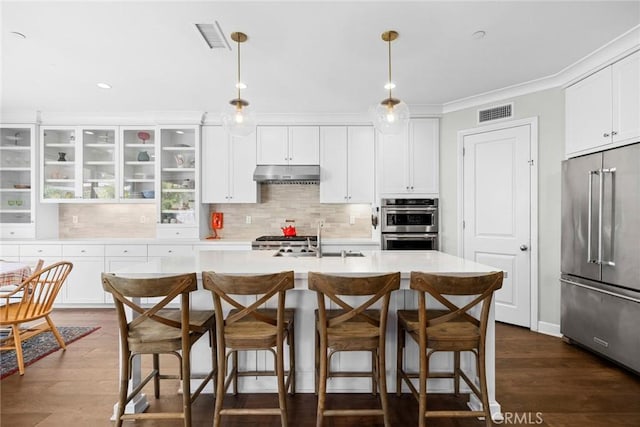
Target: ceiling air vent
(495,113)
(213,36)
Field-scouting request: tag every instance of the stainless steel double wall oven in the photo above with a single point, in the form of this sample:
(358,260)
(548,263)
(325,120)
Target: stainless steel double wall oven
(409,224)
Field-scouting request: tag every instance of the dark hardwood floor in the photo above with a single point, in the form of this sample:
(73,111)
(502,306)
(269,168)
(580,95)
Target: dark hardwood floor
(540,381)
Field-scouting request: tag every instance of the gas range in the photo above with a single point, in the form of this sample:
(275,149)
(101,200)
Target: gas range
(284,243)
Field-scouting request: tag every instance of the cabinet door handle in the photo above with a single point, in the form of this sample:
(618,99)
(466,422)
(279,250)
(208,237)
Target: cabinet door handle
(613,133)
(125,251)
(606,135)
(82,251)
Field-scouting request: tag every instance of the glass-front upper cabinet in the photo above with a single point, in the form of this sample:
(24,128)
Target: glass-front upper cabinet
(138,163)
(17,180)
(79,163)
(178,176)
(59,157)
(99,159)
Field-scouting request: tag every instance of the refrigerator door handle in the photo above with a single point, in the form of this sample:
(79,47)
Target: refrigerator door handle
(589,216)
(600,211)
(611,171)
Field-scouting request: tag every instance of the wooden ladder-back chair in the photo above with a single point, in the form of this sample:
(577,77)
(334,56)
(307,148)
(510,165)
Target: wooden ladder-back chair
(159,330)
(248,327)
(352,328)
(453,329)
(32,300)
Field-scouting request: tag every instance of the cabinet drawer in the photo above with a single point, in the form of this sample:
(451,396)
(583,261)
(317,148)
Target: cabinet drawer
(177,233)
(40,250)
(126,250)
(82,250)
(16,232)
(9,250)
(170,250)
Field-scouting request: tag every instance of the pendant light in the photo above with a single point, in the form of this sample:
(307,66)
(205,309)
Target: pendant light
(238,120)
(391,116)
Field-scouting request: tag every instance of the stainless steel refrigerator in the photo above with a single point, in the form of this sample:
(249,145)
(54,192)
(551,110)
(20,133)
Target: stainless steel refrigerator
(600,281)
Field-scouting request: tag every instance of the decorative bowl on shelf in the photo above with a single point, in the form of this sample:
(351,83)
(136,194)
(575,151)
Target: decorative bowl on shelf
(149,194)
(21,186)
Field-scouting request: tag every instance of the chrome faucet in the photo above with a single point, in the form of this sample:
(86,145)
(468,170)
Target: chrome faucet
(319,242)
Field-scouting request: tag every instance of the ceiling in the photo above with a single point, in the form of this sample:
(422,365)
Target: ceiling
(301,57)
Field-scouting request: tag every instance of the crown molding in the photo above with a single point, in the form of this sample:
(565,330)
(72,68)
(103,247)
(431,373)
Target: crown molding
(611,52)
(26,117)
(145,118)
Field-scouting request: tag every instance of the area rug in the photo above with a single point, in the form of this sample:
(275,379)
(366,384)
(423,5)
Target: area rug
(40,346)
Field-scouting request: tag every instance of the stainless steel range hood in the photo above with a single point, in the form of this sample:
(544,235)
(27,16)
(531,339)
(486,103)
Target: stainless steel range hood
(287,174)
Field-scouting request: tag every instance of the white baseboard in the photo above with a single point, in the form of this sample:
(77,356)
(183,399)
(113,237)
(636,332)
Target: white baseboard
(549,329)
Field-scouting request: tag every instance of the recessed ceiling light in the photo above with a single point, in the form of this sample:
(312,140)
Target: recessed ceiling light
(180,132)
(18,35)
(390,85)
(104,85)
(479,35)
(241,85)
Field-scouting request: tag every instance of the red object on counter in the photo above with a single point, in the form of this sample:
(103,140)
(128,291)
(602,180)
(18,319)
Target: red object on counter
(288,231)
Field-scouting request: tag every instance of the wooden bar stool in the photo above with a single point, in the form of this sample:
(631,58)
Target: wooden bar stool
(450,329)
(159,330)
(252,328)
(352,329)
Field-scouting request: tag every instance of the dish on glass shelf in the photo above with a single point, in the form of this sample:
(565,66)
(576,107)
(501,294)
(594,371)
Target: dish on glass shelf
(21,186)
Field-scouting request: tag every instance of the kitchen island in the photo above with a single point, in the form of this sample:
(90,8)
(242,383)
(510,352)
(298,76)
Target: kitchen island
(372,262)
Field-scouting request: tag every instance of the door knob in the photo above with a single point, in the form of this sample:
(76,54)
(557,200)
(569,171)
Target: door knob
(523,247)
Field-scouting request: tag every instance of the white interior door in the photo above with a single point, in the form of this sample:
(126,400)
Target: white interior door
(496,213)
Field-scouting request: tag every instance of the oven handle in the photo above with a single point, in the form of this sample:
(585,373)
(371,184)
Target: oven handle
(411,236)
(413,209)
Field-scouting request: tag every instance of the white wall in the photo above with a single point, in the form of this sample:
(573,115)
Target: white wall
(548,106)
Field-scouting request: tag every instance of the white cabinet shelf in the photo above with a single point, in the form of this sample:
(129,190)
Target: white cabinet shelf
(178,189)
(17,158)
(89,168)
(138,160)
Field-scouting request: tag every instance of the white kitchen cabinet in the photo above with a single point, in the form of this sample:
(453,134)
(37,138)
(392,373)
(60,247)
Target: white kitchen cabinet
(17,182)
(84,285)
(79,163)
(288,145)
(231,161)
(179,186)
(138,160)
(603,110)
(347,164)
(9,252)
(408,162)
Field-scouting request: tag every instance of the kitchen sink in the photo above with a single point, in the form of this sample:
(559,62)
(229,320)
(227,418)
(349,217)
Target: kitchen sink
(313,254)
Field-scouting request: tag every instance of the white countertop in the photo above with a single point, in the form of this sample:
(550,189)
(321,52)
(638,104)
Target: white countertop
(257,262)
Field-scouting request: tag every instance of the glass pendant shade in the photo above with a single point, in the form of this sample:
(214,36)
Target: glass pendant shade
(239,121)
(389,118)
